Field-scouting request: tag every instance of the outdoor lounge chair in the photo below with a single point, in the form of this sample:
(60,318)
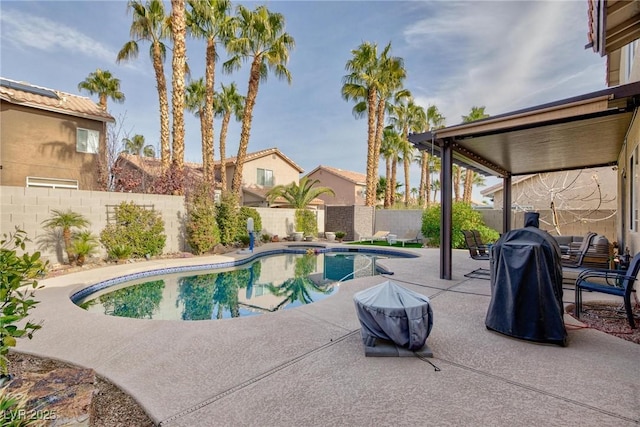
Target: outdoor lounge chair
(378,236)
(612,282)
(477,249)
(575,256)
(411,236)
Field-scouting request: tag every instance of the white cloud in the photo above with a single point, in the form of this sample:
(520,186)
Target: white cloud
(26,31)
(503,55)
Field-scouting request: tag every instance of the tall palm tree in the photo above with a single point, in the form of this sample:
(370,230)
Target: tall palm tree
(370,80)
(66,221)
(299,195)
(210,20)
(262,40)
(136,146)
(195,101)
(178,64)
(103,84)
(476,113)
(227,102)
(389,150)
(435,120)
(152,25)
(407,116)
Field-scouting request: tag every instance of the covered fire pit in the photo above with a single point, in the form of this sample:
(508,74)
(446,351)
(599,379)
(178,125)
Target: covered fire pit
(395,321)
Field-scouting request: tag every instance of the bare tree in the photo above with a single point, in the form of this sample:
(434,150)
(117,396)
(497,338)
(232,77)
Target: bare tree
(572,197)
(116,132)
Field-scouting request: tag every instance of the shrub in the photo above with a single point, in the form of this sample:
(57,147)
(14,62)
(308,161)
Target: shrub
(140,229)
(228,219)
(119,252)
(17,288)
(306,222)
(202,227)
(265,238)
(463,218)
(83,243)
(247,212)
(66,221)
(16,412)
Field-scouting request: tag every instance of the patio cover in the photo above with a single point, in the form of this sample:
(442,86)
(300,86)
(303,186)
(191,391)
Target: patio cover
(576,133)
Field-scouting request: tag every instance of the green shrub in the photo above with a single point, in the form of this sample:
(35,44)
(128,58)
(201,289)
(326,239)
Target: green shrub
(463,218)
(247,212)
(17,288)
(140,229)
(83,243)
(306,222)
(16,412)
(119,252)
(202,227)
(265,238)
(228,219)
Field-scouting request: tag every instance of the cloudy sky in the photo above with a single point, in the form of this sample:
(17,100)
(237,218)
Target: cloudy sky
(504,55)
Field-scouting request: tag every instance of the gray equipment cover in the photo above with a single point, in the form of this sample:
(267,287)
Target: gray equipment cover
(390,312)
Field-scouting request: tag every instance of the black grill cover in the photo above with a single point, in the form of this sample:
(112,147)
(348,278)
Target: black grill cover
(526,287)
(390,312)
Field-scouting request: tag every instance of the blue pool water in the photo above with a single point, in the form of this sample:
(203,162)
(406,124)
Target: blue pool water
(266,284)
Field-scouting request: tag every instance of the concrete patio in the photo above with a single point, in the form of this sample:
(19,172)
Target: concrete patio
(306,366)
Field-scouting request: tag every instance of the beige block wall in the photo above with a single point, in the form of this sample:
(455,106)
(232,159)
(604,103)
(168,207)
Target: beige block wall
(27,208)
(398,222)
(281,221)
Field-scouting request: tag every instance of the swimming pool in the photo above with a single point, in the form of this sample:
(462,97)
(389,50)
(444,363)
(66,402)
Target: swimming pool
(263,283)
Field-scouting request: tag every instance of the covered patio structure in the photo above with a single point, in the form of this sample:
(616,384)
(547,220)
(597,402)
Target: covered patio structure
(576,133)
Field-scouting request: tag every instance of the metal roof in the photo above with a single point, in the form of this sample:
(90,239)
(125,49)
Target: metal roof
(581,132)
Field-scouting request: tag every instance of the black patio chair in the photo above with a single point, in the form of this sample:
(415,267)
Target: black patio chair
(477,250)
(575,257)
(611,282)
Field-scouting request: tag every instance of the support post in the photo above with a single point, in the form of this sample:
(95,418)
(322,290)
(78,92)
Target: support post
(446,203)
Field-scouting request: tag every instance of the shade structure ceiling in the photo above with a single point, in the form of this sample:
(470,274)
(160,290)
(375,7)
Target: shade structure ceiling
(580,132)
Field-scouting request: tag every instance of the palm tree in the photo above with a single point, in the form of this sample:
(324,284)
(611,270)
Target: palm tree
(195,101)
(370,81)
(151,24)
(389,150)
(210,20)
(103,84)
(476,113)
(298,195)
(66,221)
(435,186)
(262,40)
(435,120)
(407,116)
(227,102)
(136,146)
(178,64)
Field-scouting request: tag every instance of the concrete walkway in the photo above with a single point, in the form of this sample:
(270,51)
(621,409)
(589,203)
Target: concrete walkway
(306,366)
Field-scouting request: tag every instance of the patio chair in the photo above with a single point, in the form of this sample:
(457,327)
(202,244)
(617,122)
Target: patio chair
(611,282)
(575,256)
(378,236)
(477,249)
(411,236)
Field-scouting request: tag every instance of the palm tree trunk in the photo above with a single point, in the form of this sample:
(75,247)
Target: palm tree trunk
(66,237)
(457,176)
(165,148)
(252,94)
(427,182)
(394,174)
(178,25)
(468,186)
(378,142)
(387,189)
(371,147)
(423,178)
(407,164)
(223,149)
(208,152)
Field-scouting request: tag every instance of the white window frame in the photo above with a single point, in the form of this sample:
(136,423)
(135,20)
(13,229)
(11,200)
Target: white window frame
(264,181)
(87,141)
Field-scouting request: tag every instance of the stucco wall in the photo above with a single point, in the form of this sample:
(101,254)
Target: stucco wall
(346,191)
(630,177)
(43,144)
(26,208)
(283,172)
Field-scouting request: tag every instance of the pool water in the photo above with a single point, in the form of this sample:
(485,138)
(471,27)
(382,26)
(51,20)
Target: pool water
(268,284)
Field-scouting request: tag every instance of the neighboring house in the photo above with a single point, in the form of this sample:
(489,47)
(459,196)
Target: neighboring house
(614,30)
(49,138)
(262,171)
(572,190)
(349,187)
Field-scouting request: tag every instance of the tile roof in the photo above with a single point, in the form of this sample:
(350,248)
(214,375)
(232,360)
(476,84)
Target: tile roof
(262,153)
(58,102)
(355,177)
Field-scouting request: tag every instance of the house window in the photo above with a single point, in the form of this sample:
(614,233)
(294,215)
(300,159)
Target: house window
(265,177)
(87,141)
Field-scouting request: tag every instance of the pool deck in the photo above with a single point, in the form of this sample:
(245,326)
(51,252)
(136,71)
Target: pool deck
(307,367)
